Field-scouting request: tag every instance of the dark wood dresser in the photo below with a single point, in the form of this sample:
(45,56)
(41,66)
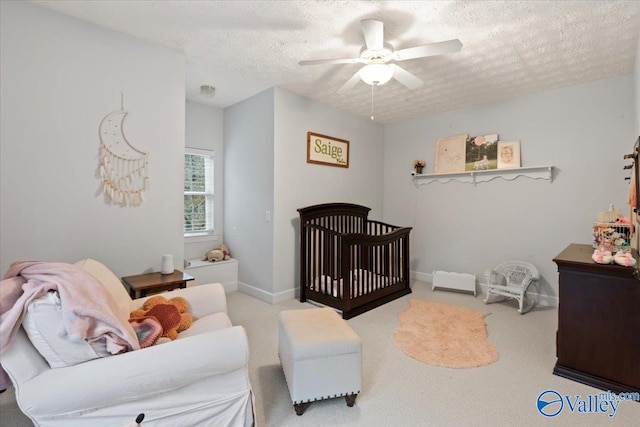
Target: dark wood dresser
(598,337)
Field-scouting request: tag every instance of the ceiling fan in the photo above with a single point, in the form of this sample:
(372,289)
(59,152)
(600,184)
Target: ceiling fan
(378,57)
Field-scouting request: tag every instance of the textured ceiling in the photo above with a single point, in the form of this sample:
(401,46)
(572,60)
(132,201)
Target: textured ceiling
(510,48)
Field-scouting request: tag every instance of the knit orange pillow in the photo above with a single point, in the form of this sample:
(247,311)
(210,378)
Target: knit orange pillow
(169,317)
(165,311)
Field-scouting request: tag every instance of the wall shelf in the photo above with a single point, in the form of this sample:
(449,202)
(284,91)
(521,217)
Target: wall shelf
(474,177)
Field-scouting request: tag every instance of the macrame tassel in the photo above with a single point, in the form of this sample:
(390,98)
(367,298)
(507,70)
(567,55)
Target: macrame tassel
(124,179)
(123,168)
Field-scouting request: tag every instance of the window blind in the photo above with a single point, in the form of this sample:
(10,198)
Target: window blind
(198,193)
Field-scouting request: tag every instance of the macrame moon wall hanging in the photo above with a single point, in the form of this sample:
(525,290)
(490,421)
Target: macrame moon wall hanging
(123,168)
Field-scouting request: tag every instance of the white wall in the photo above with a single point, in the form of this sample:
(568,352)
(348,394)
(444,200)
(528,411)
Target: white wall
(204,131)
(583,131)
(248,188)
(299,184)
(60,77)
(266,170)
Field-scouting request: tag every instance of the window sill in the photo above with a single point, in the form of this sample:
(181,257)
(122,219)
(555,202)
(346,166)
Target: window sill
(201,238)
(196,263)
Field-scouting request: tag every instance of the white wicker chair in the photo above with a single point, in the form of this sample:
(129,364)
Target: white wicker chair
(512,279)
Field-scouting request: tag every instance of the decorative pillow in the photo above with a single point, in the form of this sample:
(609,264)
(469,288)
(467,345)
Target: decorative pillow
(109,280)
(148,330)
(43,324)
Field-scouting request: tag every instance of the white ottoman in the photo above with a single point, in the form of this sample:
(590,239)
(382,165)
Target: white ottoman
(321,356)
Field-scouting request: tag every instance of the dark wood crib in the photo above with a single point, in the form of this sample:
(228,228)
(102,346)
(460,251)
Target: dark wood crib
(349,262)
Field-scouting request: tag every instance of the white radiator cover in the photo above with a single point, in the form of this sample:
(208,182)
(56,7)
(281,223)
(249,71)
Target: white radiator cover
(457,281)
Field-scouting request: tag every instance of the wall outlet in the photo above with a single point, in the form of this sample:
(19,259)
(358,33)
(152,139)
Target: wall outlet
(267,216)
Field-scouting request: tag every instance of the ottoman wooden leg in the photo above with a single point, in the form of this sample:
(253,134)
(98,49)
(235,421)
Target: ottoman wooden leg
(351,399)
(300,408)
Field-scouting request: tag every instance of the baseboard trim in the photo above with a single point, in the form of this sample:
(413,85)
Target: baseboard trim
(271,298)
(423,277)
(541,299)
(546,300)
(230,287)
(265,296)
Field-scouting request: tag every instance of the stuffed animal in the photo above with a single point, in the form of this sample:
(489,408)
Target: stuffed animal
(610,236)
(170,313)
(225,250)
(214,255)
(221,253)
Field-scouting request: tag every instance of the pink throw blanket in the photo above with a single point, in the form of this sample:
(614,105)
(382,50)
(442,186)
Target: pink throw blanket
(90,312)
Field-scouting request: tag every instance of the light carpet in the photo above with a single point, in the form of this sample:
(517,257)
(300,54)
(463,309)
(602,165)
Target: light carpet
(400,391)
(445,335)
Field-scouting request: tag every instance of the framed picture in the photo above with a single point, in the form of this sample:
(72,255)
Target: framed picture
(508,154)
(482,152)
(327,150)
(450,154)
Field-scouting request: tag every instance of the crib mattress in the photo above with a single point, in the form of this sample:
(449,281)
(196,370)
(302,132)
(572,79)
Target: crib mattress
(362,282)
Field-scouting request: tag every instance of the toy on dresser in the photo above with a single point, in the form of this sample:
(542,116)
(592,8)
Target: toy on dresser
(612,239)
(612,231)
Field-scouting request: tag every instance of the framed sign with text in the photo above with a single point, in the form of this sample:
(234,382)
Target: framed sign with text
(326,150)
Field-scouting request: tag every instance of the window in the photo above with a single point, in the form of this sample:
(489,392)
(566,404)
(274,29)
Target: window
(198,192)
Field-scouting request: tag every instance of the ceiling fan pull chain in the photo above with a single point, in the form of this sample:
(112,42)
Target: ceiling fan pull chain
(372,88)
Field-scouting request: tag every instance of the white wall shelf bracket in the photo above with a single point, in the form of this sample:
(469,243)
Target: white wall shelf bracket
(474,177)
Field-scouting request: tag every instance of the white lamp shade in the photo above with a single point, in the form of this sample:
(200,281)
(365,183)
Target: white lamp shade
(376,74)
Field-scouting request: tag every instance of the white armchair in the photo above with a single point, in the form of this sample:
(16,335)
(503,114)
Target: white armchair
(199,379)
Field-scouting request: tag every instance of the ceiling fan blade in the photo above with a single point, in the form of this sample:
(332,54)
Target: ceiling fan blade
(349,84)
(405,77)
(373,33)
(440,48)
(330,61)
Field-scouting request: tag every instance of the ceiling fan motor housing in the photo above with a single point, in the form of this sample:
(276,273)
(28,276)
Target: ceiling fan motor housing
(379,56)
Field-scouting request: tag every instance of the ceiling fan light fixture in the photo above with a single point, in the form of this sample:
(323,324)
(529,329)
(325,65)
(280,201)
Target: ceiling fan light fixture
(376,74)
